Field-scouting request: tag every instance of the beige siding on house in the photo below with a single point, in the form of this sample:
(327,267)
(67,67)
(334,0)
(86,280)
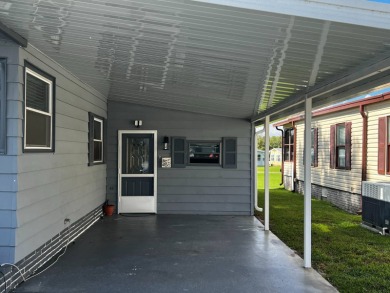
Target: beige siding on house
(345,180)
(374,112)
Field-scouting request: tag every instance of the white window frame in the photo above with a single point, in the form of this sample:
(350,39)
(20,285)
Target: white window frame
(98,140)
(50,113)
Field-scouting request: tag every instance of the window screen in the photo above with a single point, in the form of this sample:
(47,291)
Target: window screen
(39,105)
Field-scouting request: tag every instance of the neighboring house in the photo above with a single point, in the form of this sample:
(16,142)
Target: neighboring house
(275,157)
(350,144)
(260,158)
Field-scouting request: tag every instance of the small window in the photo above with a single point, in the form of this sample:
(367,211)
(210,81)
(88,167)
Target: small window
(340,146)
(39,105)
(313,148)
(288,143)
(96,139)
(202,152)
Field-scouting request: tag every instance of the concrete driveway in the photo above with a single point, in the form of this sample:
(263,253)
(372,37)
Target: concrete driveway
(178,253)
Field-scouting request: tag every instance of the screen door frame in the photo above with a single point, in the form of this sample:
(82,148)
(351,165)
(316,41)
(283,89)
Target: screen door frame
(137,204)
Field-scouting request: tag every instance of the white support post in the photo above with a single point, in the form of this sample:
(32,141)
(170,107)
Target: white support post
(266,175)
(307,185)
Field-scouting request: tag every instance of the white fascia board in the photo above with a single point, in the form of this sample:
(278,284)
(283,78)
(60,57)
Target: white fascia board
(357,12)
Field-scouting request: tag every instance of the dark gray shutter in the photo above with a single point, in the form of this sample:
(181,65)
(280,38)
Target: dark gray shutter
(90,139)
(179,152)
(3,107)
(229,156)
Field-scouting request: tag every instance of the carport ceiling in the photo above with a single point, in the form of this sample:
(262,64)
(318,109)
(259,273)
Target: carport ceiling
(203,57)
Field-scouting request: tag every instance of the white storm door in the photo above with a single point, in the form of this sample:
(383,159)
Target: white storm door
(137,171)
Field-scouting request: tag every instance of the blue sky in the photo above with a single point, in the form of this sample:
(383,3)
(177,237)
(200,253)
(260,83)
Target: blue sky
(381,1)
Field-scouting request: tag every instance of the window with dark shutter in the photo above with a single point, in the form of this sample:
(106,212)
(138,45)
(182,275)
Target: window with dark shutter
(382,142)
(340,146)
(229,157)
(96,140)
(179,154)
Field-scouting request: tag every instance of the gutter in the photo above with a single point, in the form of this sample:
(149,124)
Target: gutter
(295,156)
(282,131)
(364,146)
(364,143)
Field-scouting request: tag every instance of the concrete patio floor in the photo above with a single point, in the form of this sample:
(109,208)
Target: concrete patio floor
(173,253)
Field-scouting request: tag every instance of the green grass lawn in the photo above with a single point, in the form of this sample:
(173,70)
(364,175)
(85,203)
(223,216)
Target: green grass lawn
(275,177)
(352,258)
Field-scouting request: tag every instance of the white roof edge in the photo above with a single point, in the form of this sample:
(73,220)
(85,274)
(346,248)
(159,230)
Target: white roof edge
(360,12)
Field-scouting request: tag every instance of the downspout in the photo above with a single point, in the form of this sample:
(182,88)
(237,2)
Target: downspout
(254,174)
(364,147)
(281,130)
(295,156)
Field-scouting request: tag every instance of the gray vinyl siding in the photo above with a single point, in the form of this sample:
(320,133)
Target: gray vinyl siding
(8,161)
(59,185)
(193,189)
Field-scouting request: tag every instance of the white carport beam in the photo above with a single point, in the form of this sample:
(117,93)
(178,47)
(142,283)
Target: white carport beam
(307,185)
(255,191)
(266,175)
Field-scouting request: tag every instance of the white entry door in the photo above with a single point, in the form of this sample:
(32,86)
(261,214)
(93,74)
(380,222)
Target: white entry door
(137,171)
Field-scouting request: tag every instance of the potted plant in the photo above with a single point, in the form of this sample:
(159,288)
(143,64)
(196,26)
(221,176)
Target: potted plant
(108,209)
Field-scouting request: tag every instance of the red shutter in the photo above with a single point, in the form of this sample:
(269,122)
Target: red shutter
(332,147)
(381,145)
(315,147)
(348,129)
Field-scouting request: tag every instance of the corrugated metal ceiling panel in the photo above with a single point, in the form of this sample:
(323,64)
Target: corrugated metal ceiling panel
(191,56)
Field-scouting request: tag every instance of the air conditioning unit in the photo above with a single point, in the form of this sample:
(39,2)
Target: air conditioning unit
(376,205)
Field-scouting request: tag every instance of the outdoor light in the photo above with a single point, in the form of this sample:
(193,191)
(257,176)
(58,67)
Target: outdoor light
(165,142)
(138,123)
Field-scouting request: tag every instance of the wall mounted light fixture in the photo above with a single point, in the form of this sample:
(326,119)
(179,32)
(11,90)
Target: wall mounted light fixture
(138,123)
(165,142)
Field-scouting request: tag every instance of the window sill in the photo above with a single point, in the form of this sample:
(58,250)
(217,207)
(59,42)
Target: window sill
(97,163)
(32,150)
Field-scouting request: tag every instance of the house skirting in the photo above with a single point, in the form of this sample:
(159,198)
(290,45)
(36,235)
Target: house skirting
(347,201)
(44,253)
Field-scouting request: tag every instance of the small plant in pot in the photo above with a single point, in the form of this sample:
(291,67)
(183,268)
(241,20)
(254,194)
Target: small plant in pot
(108,209)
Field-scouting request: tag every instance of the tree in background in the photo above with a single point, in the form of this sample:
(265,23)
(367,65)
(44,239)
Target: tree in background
(274,142)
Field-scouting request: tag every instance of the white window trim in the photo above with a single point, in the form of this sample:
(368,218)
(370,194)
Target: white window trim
(99,140)
(50,113)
